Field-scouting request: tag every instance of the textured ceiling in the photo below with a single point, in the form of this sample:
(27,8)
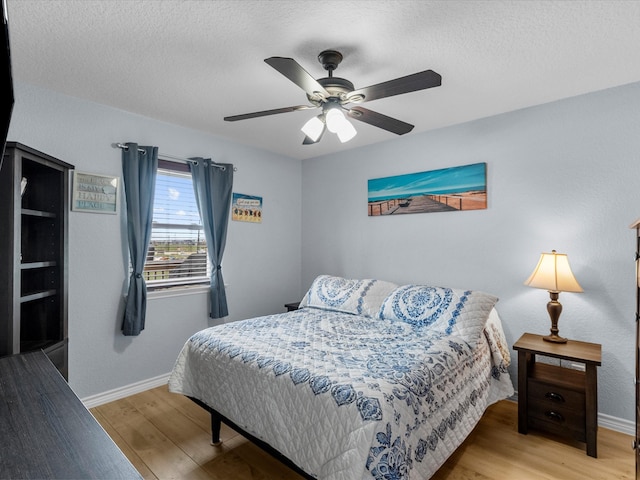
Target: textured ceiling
(193,62)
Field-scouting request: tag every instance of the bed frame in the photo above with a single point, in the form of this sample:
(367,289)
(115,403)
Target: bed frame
(217,419)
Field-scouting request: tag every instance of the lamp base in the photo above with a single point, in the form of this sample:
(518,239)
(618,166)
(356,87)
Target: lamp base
(554,307)
(555,339)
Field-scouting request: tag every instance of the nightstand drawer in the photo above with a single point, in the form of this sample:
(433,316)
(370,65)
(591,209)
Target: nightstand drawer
(555,409)
(557,414)
(555,397)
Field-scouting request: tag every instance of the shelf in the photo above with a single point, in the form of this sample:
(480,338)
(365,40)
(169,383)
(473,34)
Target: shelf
(561,376)
(33,265)
(38,296)
(38,213)
(29,346)
(33,253)
(40,237)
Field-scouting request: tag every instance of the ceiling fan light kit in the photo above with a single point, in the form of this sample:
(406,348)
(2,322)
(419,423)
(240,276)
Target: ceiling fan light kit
(334,120)
(338,124)
(314,128)
(335,95)
(346,131)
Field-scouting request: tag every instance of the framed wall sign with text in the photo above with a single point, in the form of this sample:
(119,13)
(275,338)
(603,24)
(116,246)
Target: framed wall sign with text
(94,193)
(246,208)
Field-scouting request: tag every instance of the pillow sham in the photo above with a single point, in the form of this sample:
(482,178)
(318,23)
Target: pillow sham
(446,311)
(358,297)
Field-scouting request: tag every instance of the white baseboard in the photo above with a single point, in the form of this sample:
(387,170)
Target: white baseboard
(118,393)
(618,424)
(621,425)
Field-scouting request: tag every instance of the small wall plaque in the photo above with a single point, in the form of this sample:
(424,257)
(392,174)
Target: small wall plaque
(94,193)
(246,208)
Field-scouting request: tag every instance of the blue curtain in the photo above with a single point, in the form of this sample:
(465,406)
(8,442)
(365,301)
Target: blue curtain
(213,184)
(139,169)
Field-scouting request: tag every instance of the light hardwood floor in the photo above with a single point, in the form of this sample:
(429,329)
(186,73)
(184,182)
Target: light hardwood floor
(166,436)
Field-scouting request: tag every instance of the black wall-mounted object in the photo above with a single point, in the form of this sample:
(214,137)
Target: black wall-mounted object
(7,98)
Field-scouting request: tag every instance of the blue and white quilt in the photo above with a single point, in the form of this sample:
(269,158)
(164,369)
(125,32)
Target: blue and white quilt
(368,380)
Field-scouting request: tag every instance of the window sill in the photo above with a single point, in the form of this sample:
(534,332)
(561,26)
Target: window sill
(177,291)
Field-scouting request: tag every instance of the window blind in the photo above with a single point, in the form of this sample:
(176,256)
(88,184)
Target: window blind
(177,253)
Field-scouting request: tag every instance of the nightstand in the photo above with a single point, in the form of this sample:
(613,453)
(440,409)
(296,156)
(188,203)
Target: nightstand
(291,306)
(559,400)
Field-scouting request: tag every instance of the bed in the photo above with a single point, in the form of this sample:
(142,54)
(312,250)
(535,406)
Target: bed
(366,380)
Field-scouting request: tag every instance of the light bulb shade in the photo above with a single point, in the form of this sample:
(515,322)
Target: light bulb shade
(338,124)
(313,128)
(347,131)
(334,119)
(554,274)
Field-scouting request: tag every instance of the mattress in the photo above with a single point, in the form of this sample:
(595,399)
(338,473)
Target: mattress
(376,389)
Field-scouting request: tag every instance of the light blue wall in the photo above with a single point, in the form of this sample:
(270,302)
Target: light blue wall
(261,263)
(561,176)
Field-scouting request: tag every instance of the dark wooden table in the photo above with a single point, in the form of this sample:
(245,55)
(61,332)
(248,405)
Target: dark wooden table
(45,430)
(291,306)
(555,399)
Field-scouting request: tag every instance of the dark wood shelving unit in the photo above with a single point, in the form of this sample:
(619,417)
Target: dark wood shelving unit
(33,254)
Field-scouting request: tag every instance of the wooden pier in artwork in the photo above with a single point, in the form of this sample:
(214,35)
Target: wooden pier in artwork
(429,203)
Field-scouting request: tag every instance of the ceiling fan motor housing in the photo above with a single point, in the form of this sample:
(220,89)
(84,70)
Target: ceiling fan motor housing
(337,88)
(330,59)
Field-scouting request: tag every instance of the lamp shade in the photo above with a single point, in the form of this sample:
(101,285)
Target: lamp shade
(334,119)
(338,124)
(346,132)
(313,128)
(553,273)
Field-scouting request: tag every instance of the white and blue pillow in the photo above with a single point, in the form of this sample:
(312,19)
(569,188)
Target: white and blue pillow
(358,297)
(447,311)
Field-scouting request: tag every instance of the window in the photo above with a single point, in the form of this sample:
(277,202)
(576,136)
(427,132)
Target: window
(177,253)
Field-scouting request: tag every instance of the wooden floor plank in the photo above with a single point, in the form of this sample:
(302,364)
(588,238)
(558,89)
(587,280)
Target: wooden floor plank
(240,458)
(135,460)
(188,408)
(190,437)
(194,412)
(247,461)
(169,436)
(159,453)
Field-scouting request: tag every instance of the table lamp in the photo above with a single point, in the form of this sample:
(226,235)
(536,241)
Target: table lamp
(553,273)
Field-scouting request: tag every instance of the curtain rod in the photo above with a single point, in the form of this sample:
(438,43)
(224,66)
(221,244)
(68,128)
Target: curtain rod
(170,157)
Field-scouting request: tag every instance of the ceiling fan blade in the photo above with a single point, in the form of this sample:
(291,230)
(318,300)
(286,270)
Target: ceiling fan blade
(298,75)
(410,83)
(264,113)
(379,120)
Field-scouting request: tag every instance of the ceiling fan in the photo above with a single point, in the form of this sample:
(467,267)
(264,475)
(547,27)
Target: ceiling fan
(336,95)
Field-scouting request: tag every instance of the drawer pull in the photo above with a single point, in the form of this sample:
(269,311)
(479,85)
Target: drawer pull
(554,416)
(554,397)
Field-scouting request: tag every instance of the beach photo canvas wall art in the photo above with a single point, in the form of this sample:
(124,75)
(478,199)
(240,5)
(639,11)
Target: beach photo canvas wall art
(444,190)
(246,208)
